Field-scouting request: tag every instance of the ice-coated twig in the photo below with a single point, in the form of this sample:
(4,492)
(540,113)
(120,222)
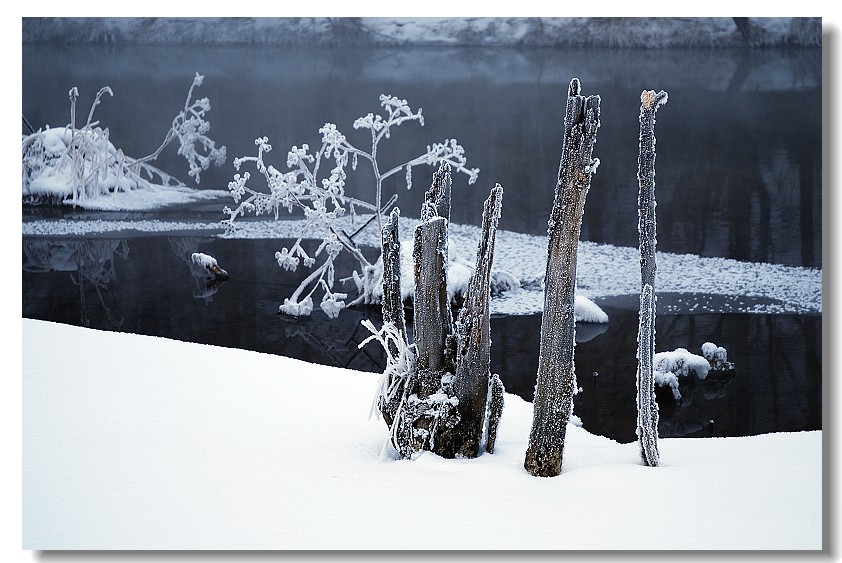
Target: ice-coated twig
(190,127)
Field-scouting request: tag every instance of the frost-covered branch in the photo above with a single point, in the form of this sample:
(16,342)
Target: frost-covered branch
(321,196)
(190,128)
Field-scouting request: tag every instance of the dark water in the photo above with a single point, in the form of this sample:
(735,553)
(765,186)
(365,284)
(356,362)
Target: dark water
(739,143)
(738,175)
(144,285)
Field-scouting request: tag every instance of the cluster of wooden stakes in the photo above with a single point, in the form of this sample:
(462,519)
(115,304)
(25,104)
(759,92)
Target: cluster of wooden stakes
(443,397)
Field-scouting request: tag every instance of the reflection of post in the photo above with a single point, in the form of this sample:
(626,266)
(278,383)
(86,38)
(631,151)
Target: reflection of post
(647,407)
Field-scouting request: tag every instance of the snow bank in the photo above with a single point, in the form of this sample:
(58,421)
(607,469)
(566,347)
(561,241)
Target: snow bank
(200,447)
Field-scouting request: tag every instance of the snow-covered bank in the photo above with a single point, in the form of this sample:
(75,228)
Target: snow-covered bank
(534,31)
(199,447)
(603,270)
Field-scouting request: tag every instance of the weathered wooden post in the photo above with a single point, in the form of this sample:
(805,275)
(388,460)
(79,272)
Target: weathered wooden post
(647,406)
(473,346)
(441,396)
(437,198)
(433,320)
(556,376)
(392,307)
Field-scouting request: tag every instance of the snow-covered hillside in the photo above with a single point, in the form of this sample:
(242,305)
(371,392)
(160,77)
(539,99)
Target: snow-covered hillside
(534,31)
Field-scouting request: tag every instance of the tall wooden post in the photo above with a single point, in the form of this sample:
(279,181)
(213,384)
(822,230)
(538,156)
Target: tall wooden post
(556,376)
(647,407)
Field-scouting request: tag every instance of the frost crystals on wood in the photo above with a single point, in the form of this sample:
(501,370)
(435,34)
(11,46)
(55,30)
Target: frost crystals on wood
(437,394)
(647,407)
(394,383)
(473,345)
(556,377)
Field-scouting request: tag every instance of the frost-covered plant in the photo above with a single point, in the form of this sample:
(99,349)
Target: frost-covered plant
(316,188)
(70,164)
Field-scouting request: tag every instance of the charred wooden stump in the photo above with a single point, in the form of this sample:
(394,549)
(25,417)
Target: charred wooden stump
(556,383)
(392,312)
(473,344)
(433,319)
(647,406)
(444,399)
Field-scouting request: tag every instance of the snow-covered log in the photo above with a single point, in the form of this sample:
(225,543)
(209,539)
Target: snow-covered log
(207,266)
(647,407)
(556,377)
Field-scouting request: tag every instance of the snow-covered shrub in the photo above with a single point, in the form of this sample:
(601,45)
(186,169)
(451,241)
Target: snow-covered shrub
(670,367)
(68,165)
(208,266)
(717,356)
(318,189)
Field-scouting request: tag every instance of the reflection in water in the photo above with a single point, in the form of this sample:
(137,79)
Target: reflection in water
(338,343)
(678,418)
(739,176)
(776,386)
(88,261)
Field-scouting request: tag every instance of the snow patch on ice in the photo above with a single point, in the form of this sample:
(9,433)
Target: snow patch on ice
(669,366)
(603,270)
